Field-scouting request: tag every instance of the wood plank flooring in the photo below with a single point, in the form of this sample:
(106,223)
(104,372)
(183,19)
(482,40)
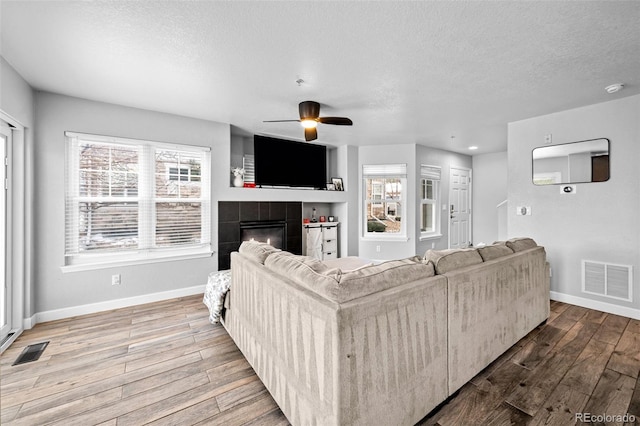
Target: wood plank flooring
(164,363)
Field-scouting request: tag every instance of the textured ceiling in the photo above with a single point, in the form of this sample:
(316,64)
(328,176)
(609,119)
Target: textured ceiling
(404,72)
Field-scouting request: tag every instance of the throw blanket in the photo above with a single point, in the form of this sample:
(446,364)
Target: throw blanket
(215,292)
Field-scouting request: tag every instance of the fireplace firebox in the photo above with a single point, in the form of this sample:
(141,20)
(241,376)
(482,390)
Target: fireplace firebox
(273,232)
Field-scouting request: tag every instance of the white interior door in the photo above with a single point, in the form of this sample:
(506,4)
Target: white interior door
(460,208)
(5,292)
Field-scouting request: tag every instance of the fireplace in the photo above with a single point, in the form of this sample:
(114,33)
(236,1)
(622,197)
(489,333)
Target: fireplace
(273,232)
(233,213)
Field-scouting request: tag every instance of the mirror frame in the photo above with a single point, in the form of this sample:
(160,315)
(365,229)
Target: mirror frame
(568,181)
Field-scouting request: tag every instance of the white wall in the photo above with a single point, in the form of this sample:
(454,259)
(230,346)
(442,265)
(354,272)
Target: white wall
(17,101)
(55,114)
(489,190)
(600,221)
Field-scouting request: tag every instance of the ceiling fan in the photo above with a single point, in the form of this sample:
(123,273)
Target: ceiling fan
(310,117)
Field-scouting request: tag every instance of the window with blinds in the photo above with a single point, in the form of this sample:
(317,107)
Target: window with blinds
(429,195)
(135,199)
(384,199)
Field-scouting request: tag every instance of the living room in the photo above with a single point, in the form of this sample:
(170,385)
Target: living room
(557,83)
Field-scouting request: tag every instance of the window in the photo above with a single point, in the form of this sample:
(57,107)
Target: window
(131,199)
(429,194)
(384,195)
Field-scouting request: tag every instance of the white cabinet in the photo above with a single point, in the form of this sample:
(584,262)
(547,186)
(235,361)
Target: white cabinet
(322,240)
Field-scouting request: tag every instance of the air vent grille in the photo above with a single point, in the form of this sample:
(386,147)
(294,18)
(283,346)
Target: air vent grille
(606,279)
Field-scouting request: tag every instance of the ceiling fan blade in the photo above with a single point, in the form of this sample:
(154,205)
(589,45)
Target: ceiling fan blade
(339,121)
(309,109)
(279,121)
(310,134)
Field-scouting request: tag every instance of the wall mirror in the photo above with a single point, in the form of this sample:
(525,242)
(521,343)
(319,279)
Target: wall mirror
(576,162)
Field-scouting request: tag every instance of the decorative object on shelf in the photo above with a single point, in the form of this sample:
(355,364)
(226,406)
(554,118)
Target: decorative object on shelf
(313,216)
(331,187)
(331,218)
(337,183)
(249,185)
(323,219)
(306,220)
(238,176)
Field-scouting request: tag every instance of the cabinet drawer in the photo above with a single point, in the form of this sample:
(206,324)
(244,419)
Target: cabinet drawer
(330,255)
(330,233)
(329,245)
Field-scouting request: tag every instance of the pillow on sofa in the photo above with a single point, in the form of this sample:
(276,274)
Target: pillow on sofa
(494,251)
(256,250)
(519,244)
(449,260)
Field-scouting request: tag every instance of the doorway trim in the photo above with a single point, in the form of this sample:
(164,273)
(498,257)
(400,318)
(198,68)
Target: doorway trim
(18,218)
(469,201)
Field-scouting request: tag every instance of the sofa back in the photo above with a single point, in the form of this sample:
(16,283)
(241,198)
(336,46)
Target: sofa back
(321,358)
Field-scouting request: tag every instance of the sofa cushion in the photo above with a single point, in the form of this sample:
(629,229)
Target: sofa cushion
(449,260)
(375,278)
(519,244)
(256,250)
(304,270)
(494,251)
(339,286)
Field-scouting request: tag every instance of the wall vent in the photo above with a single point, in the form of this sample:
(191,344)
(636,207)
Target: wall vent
(607,279)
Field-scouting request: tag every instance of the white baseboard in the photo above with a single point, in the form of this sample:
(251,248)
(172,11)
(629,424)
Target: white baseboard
(92,308)
(597,305)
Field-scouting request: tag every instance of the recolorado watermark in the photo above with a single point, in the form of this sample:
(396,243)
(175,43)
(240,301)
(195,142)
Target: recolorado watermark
(605,418)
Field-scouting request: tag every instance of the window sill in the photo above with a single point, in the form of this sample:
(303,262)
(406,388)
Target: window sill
(133,261)
(402,238)
(427,237)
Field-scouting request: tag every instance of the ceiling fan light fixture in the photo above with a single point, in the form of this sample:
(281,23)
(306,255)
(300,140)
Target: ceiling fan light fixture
(309,123)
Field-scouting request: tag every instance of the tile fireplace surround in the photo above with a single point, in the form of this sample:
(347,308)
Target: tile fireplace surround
(231,213)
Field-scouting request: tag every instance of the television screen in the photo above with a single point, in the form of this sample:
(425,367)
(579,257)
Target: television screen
(280,162)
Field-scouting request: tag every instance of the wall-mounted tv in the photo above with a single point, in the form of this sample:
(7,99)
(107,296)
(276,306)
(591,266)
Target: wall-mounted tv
(284,163)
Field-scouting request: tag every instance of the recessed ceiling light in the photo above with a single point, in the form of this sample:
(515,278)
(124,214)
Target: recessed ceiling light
(472,148)
(614,88)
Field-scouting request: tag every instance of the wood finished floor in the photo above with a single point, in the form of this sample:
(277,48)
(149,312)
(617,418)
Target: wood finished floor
(163,363)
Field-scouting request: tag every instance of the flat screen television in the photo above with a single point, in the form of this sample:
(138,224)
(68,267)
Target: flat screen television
(284,163)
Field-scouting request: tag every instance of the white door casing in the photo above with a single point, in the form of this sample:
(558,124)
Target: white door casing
(459,207)
(5,291)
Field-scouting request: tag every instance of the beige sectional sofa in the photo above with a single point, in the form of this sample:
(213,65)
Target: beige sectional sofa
(382,344)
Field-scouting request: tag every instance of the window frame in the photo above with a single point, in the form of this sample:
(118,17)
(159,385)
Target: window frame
(146,198)
(433,174)
(377,172)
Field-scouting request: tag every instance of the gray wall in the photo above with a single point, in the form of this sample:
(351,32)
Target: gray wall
(413,155)
(57,114)
(446,160)
(489,190)
(600,221)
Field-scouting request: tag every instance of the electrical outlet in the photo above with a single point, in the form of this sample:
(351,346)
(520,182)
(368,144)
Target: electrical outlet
(547,138)
(378,249)
(115,279)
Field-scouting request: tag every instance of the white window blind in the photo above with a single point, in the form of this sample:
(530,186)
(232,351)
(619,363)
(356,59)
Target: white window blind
(430,172)
(383,170)
(134,197)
